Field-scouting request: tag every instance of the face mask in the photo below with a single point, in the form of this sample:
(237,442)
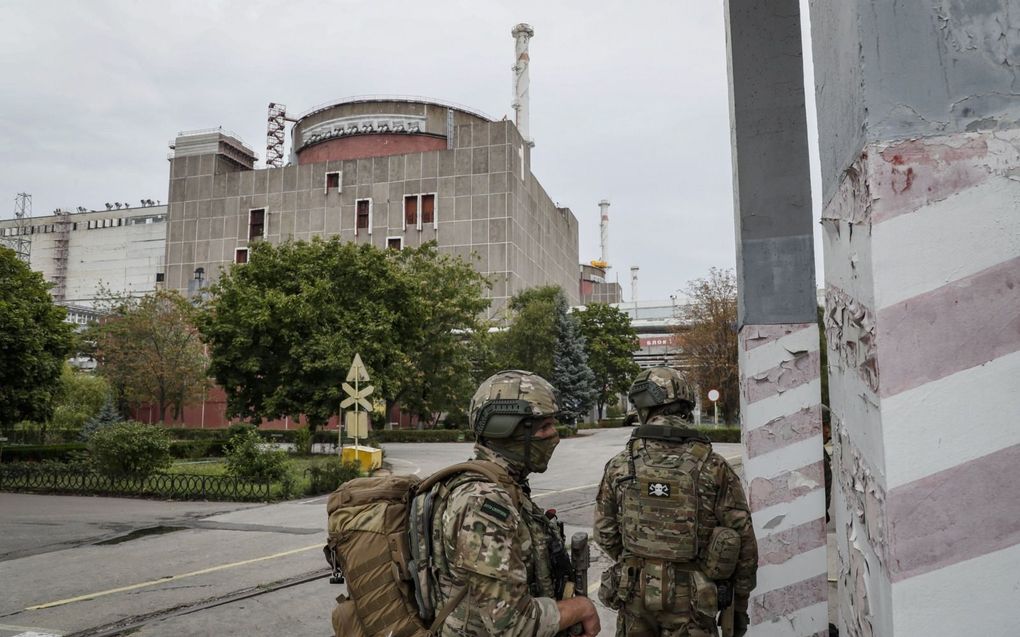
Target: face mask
(541,453)
(515,449)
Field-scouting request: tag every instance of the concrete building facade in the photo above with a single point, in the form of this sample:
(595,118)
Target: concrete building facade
(596,289)
(387,171)
(120,250)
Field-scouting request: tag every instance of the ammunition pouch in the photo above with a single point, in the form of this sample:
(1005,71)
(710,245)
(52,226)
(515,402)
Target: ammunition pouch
(721,554)
(609,589)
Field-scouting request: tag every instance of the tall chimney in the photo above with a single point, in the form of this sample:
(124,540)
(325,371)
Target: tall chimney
(604,227)
(633,283)
(522,34)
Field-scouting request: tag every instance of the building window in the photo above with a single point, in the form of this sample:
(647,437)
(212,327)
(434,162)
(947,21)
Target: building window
(395,243)
(419,210)
(241,255)
(364,215)
(256,223)
(410,211)
(333,180)
(160,277)
(428,209)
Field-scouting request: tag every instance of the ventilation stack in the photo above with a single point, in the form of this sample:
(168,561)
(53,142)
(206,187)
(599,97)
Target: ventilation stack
(633,283)
(604,228)
(522,34)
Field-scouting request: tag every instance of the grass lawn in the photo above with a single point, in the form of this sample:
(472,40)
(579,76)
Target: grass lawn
(218,467)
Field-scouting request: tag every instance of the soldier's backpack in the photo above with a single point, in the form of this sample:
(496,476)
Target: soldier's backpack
(379,532)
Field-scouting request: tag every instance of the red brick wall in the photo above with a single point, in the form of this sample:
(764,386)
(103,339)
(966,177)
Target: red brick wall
(370,145)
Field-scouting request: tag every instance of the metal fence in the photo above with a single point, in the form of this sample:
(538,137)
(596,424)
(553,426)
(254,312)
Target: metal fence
(161,485)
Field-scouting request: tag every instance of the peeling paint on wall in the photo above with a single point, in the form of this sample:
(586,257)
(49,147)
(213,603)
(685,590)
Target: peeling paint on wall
(864,528)
(852,201)
(864,495)
(850,334)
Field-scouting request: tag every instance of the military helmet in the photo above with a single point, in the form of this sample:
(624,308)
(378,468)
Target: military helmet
(506,398)
(660,386)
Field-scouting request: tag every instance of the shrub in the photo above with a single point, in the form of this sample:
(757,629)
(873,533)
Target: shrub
(240,427)
(41,453)
(420,435)
(246,458)
(130,448)
(303,442)
(327,475)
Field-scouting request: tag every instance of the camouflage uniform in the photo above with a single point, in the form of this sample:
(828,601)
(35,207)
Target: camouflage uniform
(500,552)
(690,608)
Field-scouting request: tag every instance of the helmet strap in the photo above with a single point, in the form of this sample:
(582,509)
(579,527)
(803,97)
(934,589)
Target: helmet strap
(527,444)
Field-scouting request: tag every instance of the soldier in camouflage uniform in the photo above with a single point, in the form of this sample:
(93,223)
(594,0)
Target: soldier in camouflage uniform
(672,515)
(491,538)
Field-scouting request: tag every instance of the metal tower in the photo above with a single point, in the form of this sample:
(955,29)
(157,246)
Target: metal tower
(20,239)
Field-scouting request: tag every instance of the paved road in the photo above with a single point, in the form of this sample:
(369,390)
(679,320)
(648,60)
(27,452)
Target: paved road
(212,568)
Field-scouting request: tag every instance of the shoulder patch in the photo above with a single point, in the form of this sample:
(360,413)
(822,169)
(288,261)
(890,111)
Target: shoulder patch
(495,510)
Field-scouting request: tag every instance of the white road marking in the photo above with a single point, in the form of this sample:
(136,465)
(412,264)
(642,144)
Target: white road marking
(170,578)
(583,486)
(30,631)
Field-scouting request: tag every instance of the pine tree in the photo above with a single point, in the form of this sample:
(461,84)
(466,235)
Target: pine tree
(571,374)
(107,416)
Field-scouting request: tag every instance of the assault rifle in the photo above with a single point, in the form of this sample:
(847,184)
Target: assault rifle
(580,559)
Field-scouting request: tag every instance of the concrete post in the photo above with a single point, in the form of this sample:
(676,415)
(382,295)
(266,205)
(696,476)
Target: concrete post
(778,335)
(920,152)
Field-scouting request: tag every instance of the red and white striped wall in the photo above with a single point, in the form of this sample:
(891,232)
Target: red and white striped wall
(922,260)
(782,440)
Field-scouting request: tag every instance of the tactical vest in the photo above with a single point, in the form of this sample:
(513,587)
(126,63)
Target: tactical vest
(661,498)
(545,576)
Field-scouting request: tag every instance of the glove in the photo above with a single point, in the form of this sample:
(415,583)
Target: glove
(740,622)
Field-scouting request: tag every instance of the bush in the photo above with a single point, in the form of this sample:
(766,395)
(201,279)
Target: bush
(41,453)
(130,448)
(325,476)
(420,435)
(303,442)
(247,459)
(192,449)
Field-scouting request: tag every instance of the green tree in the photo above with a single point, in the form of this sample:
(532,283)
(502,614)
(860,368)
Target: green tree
(571,374)
(34,343)
(529,341)
(107,415)
(610,342)
(708,338)
(150,351)
(445,305)
(81,396)
(283,328)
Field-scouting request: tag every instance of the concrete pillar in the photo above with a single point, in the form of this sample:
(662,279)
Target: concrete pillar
(778,334)
(920,150)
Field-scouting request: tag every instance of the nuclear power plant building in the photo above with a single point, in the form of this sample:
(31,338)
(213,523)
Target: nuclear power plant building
(393,172)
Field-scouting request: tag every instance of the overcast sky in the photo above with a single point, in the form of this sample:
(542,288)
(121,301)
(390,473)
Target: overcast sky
(629,100)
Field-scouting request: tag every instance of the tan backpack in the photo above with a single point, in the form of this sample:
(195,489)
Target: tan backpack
(376,542)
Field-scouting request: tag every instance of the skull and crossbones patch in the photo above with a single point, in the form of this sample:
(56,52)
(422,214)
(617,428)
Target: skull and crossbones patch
(658,489)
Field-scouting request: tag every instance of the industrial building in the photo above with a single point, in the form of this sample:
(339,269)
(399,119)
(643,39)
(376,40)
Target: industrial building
(392,172)
(120,250)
